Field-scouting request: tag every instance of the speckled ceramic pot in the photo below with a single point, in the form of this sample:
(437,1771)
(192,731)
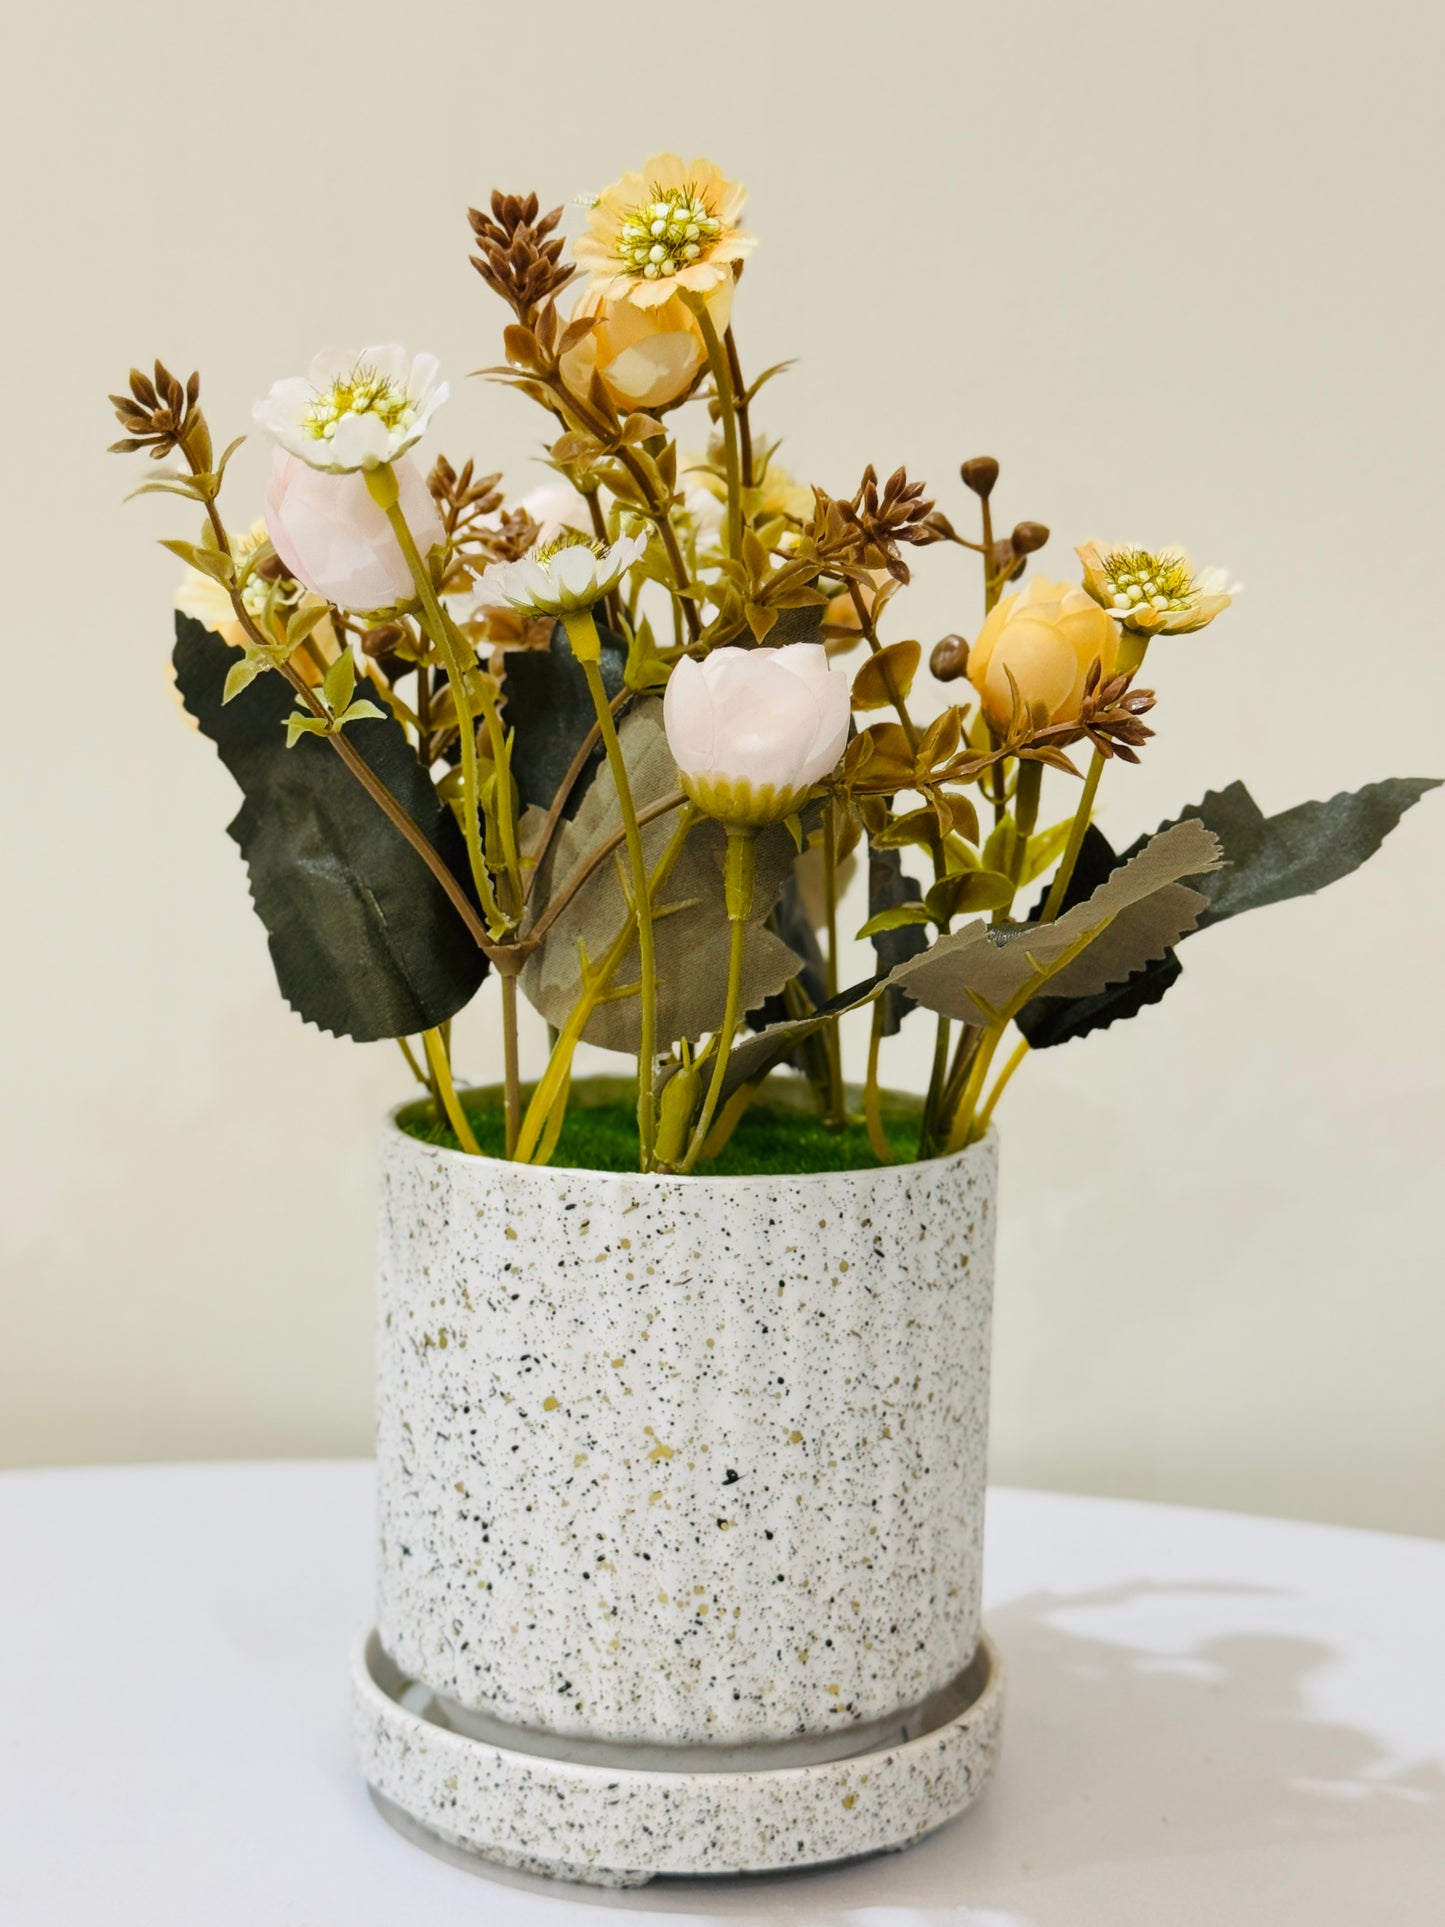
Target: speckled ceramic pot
(677,1475)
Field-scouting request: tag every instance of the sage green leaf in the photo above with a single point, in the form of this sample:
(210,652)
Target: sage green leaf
(761,1053)
(364,940)
(690,922)
(1273,858)
(984,970)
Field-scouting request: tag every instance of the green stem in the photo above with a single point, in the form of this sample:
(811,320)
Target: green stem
(441,1070)
(832,1035)
(587,648)
(511,1073)
(382,484)
(740,397)
(1020,1052)
(741,860)
(728,409)
(1082,815)
(872,1109)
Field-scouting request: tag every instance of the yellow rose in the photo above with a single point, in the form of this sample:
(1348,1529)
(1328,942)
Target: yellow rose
(1048,637)
(647,357)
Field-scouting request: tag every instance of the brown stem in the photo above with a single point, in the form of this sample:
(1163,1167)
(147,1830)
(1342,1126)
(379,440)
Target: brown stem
(564,790)
(740,394)
(592,862)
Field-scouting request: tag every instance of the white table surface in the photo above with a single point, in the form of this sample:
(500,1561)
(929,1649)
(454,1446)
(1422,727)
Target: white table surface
(1212,1719)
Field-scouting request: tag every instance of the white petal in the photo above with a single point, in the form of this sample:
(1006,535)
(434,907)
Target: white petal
(360,441)
(387,359)
(331,365)
(687,716)
(574,570)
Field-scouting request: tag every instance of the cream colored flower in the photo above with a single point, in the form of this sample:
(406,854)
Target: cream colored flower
(207,601)
(560,577)
(1047,638)
(672,226)
(333,538)
(646,356)
(354,408)
(752,730)
(1155,593)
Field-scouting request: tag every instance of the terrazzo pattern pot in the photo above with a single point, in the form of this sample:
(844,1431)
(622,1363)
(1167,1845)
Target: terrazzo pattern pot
(679,1476)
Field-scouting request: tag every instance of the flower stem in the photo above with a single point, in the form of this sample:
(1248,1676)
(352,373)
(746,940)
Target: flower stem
(740,396)
(382,484)
(441,1070)
(832,1035)
(741,865)
(872,1110)
(728,409)
(1020,1052)
(1082,815)
(587,648)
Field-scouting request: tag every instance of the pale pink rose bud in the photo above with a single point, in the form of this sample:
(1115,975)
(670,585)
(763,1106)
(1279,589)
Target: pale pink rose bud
(752,730)
(336,541)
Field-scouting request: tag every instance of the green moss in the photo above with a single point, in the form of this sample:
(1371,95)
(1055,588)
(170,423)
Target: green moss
(778,1135)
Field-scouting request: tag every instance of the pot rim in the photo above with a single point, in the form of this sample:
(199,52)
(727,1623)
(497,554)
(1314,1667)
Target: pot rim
(982,1147)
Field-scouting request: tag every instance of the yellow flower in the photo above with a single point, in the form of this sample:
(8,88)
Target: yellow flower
(1154,593)
(1048,638)
(647,357)
(672,226)
(204,599)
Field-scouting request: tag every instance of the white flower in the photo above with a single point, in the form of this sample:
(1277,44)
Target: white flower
(354,408)
(752,730)
(336,541)
(561,576)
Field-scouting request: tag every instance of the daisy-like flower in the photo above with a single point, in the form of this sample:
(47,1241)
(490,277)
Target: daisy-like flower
(563,574)
(674,225)
(1155,592)
(207,601)
(354,408)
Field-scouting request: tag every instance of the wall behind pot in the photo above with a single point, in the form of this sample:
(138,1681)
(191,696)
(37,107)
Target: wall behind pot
(1171,267)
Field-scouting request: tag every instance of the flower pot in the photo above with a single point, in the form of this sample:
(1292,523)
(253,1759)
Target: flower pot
(681,1488)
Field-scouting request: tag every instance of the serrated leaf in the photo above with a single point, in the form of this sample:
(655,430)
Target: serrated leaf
(364,940)
(1300,851)
(691,940)
(1138,912)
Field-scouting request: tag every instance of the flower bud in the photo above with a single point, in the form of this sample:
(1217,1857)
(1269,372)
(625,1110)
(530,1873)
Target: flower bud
(980,473)
(1028,536)
(1047,637)
(752,730)
(645,357)
(949,660)
(336,541)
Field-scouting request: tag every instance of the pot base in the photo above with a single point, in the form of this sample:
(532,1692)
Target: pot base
(621,1816)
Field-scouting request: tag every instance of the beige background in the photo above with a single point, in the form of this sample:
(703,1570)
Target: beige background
(1177,266)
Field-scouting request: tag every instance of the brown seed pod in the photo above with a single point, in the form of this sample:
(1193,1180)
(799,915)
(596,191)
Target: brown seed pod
(1028,536)
(949,659)
(980,473)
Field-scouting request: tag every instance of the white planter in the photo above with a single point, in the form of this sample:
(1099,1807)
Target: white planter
(681,1508)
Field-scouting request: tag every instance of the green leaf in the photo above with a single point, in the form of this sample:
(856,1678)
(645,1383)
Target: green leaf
(359,713)
(690,924)
(215,563)
(966,891)
(977,973)
(301,622)
(1043,849)
(1273,858)
(299,724)
(242,674)
(1003,838)
(898,918)
(550,712)
(340,682)
(364,940)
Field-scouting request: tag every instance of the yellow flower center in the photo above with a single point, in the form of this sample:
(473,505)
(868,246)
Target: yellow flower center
(668,232)
(1136,579)
(567,539)
(362,392)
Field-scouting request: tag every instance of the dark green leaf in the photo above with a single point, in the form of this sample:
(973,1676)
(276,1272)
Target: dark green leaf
(548,706)
(363,938)
(888,888)
(1273,858)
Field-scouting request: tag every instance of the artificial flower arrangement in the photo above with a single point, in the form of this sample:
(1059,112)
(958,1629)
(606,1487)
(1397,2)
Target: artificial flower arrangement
(618,743)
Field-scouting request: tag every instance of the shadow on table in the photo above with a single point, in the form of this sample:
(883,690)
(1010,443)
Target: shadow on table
(1111,1755)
